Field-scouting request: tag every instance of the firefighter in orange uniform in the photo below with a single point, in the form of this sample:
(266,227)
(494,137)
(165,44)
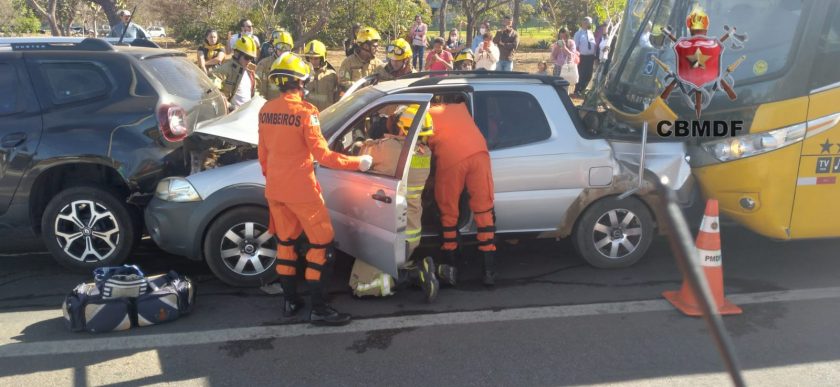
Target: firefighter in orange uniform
(462,158)
(290,141)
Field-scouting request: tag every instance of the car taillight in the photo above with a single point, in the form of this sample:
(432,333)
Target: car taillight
(173,122)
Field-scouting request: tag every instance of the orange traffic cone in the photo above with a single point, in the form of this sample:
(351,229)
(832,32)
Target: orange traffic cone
(708,248)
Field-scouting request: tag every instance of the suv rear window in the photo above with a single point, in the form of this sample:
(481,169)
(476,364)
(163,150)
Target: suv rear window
(179,76)
(8,81)
(510,118)
(72,82)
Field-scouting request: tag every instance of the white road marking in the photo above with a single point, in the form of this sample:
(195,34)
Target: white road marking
(104,343)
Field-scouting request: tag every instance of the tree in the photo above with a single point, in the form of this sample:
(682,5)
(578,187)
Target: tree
(47,11)
(110,8)
(517,12)
(442,16)
(474,10)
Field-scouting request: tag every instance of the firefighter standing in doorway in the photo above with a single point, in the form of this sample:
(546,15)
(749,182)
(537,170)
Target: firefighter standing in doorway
(323,88)
(282,44)
(237,77)
(462,159)
(386,149)
(363,62)
(399,61)
(290,141)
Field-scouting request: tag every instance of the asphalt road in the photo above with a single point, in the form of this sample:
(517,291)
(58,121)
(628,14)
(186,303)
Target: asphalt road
(552,320)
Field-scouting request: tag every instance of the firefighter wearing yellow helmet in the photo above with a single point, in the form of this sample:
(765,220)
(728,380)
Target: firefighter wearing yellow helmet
(363,62)
(238,77)
(323,88)
(388,137)
(282,43)
(465,60)
(399,61)
(290,142)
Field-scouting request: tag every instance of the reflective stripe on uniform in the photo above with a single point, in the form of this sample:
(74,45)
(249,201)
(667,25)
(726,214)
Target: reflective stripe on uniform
(424,162)
(413,235)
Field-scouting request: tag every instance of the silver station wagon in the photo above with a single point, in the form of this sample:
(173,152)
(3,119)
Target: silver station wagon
(553,179)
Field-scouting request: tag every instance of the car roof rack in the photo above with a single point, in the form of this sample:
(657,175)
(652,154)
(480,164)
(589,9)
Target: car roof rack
(57,43)
(428,78)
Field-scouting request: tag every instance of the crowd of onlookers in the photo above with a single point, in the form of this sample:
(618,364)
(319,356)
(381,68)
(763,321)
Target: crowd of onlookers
(241,63)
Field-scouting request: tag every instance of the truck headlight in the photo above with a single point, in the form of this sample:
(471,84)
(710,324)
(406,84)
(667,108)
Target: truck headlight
(176,189)
(755,144)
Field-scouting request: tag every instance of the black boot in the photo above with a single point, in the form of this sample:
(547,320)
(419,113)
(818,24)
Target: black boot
(428,279)
(292,302)
(323,314)
(447,274)
(489,268)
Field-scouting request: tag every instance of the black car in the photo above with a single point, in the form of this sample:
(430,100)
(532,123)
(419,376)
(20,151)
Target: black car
(87,129)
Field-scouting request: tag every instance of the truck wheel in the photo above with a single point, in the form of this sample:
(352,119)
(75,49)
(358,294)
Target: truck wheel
(88,227)
(614,233)
(239,249)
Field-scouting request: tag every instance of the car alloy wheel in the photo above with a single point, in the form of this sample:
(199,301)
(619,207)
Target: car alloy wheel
(87,231)
(248,249)
(617,233)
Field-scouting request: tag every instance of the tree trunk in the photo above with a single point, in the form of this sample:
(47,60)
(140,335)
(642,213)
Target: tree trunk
(516,12)
(109,7)
(442,15)
(47,13)
(470,28)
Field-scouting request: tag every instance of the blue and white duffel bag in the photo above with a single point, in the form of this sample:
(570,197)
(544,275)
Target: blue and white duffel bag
(122,297)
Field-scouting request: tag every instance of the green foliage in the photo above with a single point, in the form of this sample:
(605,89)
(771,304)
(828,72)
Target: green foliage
(25,21)
(190,23)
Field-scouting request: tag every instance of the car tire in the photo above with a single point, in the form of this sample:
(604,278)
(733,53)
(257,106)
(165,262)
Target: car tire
(88,227)
(235,255)
(614,233)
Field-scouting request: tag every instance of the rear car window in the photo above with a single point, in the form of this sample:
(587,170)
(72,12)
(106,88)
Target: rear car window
(510,118)
(179,76)
(8,81)
(73,82)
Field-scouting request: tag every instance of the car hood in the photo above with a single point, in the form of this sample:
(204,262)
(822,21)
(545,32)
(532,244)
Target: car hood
(242,125)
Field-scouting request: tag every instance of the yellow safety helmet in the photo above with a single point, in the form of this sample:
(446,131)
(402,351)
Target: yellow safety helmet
(288,67)
(399,50)
(465,54)
(246,46)
(284,40)
(315,48)
(407,118)
(367,34)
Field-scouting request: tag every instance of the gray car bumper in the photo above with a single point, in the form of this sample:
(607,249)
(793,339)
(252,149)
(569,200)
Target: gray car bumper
(169,226)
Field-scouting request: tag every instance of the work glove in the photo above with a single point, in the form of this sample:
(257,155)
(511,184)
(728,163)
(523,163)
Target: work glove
(365,163)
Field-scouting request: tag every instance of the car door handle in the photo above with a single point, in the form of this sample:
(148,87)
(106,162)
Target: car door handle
(12,140)
(380,196)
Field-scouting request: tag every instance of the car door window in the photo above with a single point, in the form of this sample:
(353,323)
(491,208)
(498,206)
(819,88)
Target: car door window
(510,118)
(825,64)
(366,134)
(73,82)
(10,101)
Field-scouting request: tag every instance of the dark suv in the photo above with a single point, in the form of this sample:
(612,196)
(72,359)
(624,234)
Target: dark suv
(88,130)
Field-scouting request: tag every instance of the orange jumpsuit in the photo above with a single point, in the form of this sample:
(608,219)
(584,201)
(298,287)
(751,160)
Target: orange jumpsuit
(290,139)
(462,159)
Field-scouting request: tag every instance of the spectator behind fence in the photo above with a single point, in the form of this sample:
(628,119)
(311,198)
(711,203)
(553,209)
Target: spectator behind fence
(585,42)
(508,41)
(439,59)
(417,37)
(487,54)
(565,56)
(246,28)
(542,68)
(131,32)
(212,53)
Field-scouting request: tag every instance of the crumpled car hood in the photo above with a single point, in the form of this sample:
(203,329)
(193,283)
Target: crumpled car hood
(242,125)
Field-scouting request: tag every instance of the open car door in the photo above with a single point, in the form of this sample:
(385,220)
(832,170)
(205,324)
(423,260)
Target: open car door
(368,209)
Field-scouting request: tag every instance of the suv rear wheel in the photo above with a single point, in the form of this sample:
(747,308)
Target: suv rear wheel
(614,233)
(239,249)
(87,227)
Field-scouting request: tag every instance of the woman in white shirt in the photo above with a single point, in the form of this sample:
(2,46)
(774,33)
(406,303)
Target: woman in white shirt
(487,54)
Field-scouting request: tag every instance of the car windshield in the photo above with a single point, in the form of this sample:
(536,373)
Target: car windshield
(179,76)
(634,78)
(340,112)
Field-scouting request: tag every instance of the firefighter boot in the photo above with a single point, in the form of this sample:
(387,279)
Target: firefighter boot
(447,274)
(292,302)
(489,268)
(323,314)
(428,279)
